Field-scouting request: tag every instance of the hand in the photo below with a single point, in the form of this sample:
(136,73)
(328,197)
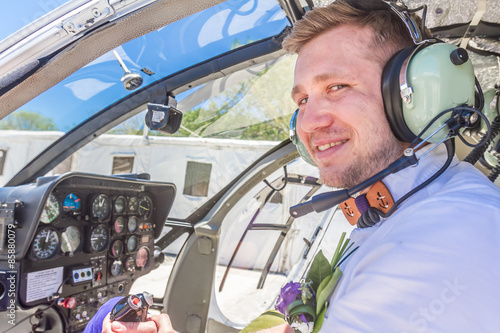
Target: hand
(283,328)
(155,324)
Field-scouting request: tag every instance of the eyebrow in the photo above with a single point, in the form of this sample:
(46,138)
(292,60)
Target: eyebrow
(321,78)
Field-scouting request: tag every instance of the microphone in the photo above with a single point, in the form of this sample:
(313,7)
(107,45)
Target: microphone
(324,201)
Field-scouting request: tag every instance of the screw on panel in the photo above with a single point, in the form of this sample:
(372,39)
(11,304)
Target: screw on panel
(96,12)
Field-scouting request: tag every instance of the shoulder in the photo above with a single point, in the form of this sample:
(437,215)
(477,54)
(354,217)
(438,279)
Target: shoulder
(461,191)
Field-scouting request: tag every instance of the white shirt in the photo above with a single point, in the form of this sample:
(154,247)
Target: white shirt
(433,266)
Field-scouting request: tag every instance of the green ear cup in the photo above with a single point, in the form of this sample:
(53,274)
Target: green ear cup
(438,84)
(490,159)
(296,140)
(303,152)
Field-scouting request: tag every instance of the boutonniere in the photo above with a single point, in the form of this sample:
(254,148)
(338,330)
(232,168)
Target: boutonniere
(303,304)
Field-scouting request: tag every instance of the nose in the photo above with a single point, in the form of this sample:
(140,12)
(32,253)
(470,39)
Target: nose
(315,115)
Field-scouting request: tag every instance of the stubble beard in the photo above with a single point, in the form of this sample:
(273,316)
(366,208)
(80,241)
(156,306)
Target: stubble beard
(363,167)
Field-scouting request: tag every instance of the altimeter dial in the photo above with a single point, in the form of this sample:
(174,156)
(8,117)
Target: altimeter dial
(46,243)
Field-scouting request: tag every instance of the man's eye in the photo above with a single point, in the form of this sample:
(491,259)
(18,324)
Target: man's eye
(337,87)
(302,101)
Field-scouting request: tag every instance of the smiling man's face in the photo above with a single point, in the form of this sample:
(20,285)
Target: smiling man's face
(341,118)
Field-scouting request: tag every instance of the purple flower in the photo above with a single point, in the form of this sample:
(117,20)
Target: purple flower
(300,294)
(289,293)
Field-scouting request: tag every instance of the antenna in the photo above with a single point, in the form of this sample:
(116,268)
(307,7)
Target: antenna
(130,80)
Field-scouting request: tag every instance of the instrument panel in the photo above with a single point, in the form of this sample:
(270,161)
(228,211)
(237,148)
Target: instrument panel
(87,239)
(90,222)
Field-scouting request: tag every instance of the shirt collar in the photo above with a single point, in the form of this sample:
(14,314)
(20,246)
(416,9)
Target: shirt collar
(407,179)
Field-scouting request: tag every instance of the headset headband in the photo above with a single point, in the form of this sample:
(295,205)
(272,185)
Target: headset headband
(399,9)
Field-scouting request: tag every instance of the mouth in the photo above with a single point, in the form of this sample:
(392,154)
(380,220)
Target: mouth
(329,145)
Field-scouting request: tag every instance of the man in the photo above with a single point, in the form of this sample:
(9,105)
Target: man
(433,265)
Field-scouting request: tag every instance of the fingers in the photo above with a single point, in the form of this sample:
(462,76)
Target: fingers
(163,323)
(106,325)
(155,324)
(124,327)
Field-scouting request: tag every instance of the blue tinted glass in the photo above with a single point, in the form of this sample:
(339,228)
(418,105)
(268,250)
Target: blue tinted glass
(17,14)
(160,53)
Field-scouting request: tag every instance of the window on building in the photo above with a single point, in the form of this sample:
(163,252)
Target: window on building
(122,164)
(3,157)
(197,178)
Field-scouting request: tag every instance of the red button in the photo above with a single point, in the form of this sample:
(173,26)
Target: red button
(69,303)
(98,276)
(136,300)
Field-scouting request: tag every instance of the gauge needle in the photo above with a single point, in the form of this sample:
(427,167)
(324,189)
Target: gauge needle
(48,235)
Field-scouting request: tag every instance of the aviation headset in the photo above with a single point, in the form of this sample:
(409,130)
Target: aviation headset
(437,76)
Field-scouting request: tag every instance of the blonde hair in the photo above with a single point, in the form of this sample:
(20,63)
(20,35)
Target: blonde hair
(391,35)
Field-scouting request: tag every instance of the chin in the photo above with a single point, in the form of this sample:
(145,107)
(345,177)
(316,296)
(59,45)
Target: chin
(334,178)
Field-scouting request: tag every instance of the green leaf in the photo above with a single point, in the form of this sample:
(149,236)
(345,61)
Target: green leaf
(320,289)
(338,252)
(268,319)
(295,309)
(320,268)
(322,296)
(319,320)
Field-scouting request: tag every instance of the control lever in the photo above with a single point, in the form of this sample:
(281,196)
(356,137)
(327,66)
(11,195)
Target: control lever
(159,257)
(133,308)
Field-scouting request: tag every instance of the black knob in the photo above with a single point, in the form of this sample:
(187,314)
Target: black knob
(459,56)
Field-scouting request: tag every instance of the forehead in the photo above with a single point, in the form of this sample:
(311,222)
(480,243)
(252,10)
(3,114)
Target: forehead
(342,52)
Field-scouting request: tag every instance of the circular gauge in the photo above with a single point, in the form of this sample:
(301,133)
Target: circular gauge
(142,257)
(130,264)
(50,210)
(132,244)
(72,203)
(116,267)
(100,207)
(119,225)
(45,243)
(71,239)
(116,248)
(145,207)
(120,204)
(132,224)
(98,238)
(133,204)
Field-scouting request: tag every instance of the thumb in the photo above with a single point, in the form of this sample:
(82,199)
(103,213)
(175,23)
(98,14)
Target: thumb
(117,326)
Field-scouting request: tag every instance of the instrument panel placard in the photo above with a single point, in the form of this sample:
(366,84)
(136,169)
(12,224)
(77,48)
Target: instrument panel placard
(42,284)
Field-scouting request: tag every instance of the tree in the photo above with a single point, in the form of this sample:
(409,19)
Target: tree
(131,126)
(27,121)
(256,105)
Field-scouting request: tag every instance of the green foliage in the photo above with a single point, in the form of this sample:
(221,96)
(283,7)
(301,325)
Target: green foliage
(266,320)
(319,320)
(132,126)
(323,277)
(320,269)
(27,121)
(326,288)
(253,106)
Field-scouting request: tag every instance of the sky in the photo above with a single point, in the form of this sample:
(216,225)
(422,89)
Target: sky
(16,14)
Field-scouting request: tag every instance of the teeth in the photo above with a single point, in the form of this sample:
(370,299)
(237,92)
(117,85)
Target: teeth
(328,145)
